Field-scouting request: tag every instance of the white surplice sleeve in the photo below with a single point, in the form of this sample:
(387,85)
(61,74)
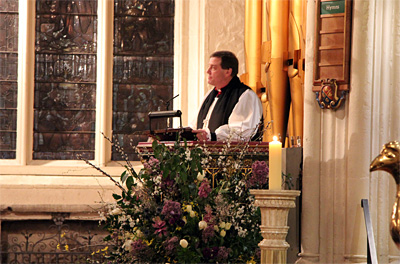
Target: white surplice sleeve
(243,121)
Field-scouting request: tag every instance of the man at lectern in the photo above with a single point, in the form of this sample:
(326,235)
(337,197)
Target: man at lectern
(231,109)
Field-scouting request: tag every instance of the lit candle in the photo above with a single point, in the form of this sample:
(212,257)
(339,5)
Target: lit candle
(275,164)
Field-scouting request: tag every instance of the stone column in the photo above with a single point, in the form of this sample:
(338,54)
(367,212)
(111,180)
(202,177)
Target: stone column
(274,206)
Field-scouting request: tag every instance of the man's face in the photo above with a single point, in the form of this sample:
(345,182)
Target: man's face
(217,76)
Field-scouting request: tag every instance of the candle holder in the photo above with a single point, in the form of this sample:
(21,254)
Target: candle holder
(274,206)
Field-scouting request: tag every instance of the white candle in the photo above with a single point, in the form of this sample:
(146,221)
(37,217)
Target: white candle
(275,164)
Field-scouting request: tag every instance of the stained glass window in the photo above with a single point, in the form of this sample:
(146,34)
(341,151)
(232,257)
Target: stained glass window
(8,77)
(65,79)
(143,67)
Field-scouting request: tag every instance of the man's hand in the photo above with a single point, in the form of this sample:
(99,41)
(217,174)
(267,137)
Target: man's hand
(201,134)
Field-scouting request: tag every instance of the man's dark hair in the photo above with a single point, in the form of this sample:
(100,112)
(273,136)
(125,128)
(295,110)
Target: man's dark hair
(228,60)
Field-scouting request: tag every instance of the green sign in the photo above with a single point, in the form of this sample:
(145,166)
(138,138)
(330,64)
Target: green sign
(333,7)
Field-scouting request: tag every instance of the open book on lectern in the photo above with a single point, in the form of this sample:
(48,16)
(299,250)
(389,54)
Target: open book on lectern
(167,133)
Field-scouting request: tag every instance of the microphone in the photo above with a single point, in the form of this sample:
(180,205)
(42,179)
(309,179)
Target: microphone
(166,114)
(167,103)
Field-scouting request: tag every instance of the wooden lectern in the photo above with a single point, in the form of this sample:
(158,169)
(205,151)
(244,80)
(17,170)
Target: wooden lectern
(248,151)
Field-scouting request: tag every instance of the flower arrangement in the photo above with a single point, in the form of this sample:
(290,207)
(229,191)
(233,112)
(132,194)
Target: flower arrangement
(172,211)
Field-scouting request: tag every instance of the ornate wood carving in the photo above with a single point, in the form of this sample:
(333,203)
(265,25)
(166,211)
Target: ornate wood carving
(332,48)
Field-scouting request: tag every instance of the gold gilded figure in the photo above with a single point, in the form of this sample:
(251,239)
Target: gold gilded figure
(389,160)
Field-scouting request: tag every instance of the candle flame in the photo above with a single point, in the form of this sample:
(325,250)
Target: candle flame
(275,138)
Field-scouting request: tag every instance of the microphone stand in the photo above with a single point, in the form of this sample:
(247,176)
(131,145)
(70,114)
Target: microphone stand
(167,103)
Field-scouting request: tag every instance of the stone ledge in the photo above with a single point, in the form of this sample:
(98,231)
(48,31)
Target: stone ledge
(17,212)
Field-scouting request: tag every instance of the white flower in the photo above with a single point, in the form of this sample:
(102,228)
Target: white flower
(122,219)
(116,211)
(102,216)
(202,225)
(129,235)
(242,232)
(127,245)
(189,208)
(200,176)
(187,152)
(139,234)
(223,233)
(192,214)
(183,243)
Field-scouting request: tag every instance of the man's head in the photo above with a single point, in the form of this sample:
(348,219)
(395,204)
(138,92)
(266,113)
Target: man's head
(223,66)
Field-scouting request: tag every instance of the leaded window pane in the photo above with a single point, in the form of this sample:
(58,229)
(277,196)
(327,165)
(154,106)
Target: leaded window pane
(143,67)
(8,77)
(65,79)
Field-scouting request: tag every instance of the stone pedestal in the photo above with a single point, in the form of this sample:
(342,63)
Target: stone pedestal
(274,206)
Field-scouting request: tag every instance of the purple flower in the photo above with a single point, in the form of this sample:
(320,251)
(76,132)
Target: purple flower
(204,189)
(208,233)
(207,253)
(223,254)
(208,217)
(152,165)
(259,176)
(170,245)
(260,168)
(160,226)
(138,247)
(167,183)
(210,253)
(172,211)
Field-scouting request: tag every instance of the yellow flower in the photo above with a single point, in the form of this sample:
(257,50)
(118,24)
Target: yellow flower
(105,249)
(222,225)
(178,228)
(149,243)
(251,261)
(66,247)
(223,233)
(58,246)
(228,226)
(189,208)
